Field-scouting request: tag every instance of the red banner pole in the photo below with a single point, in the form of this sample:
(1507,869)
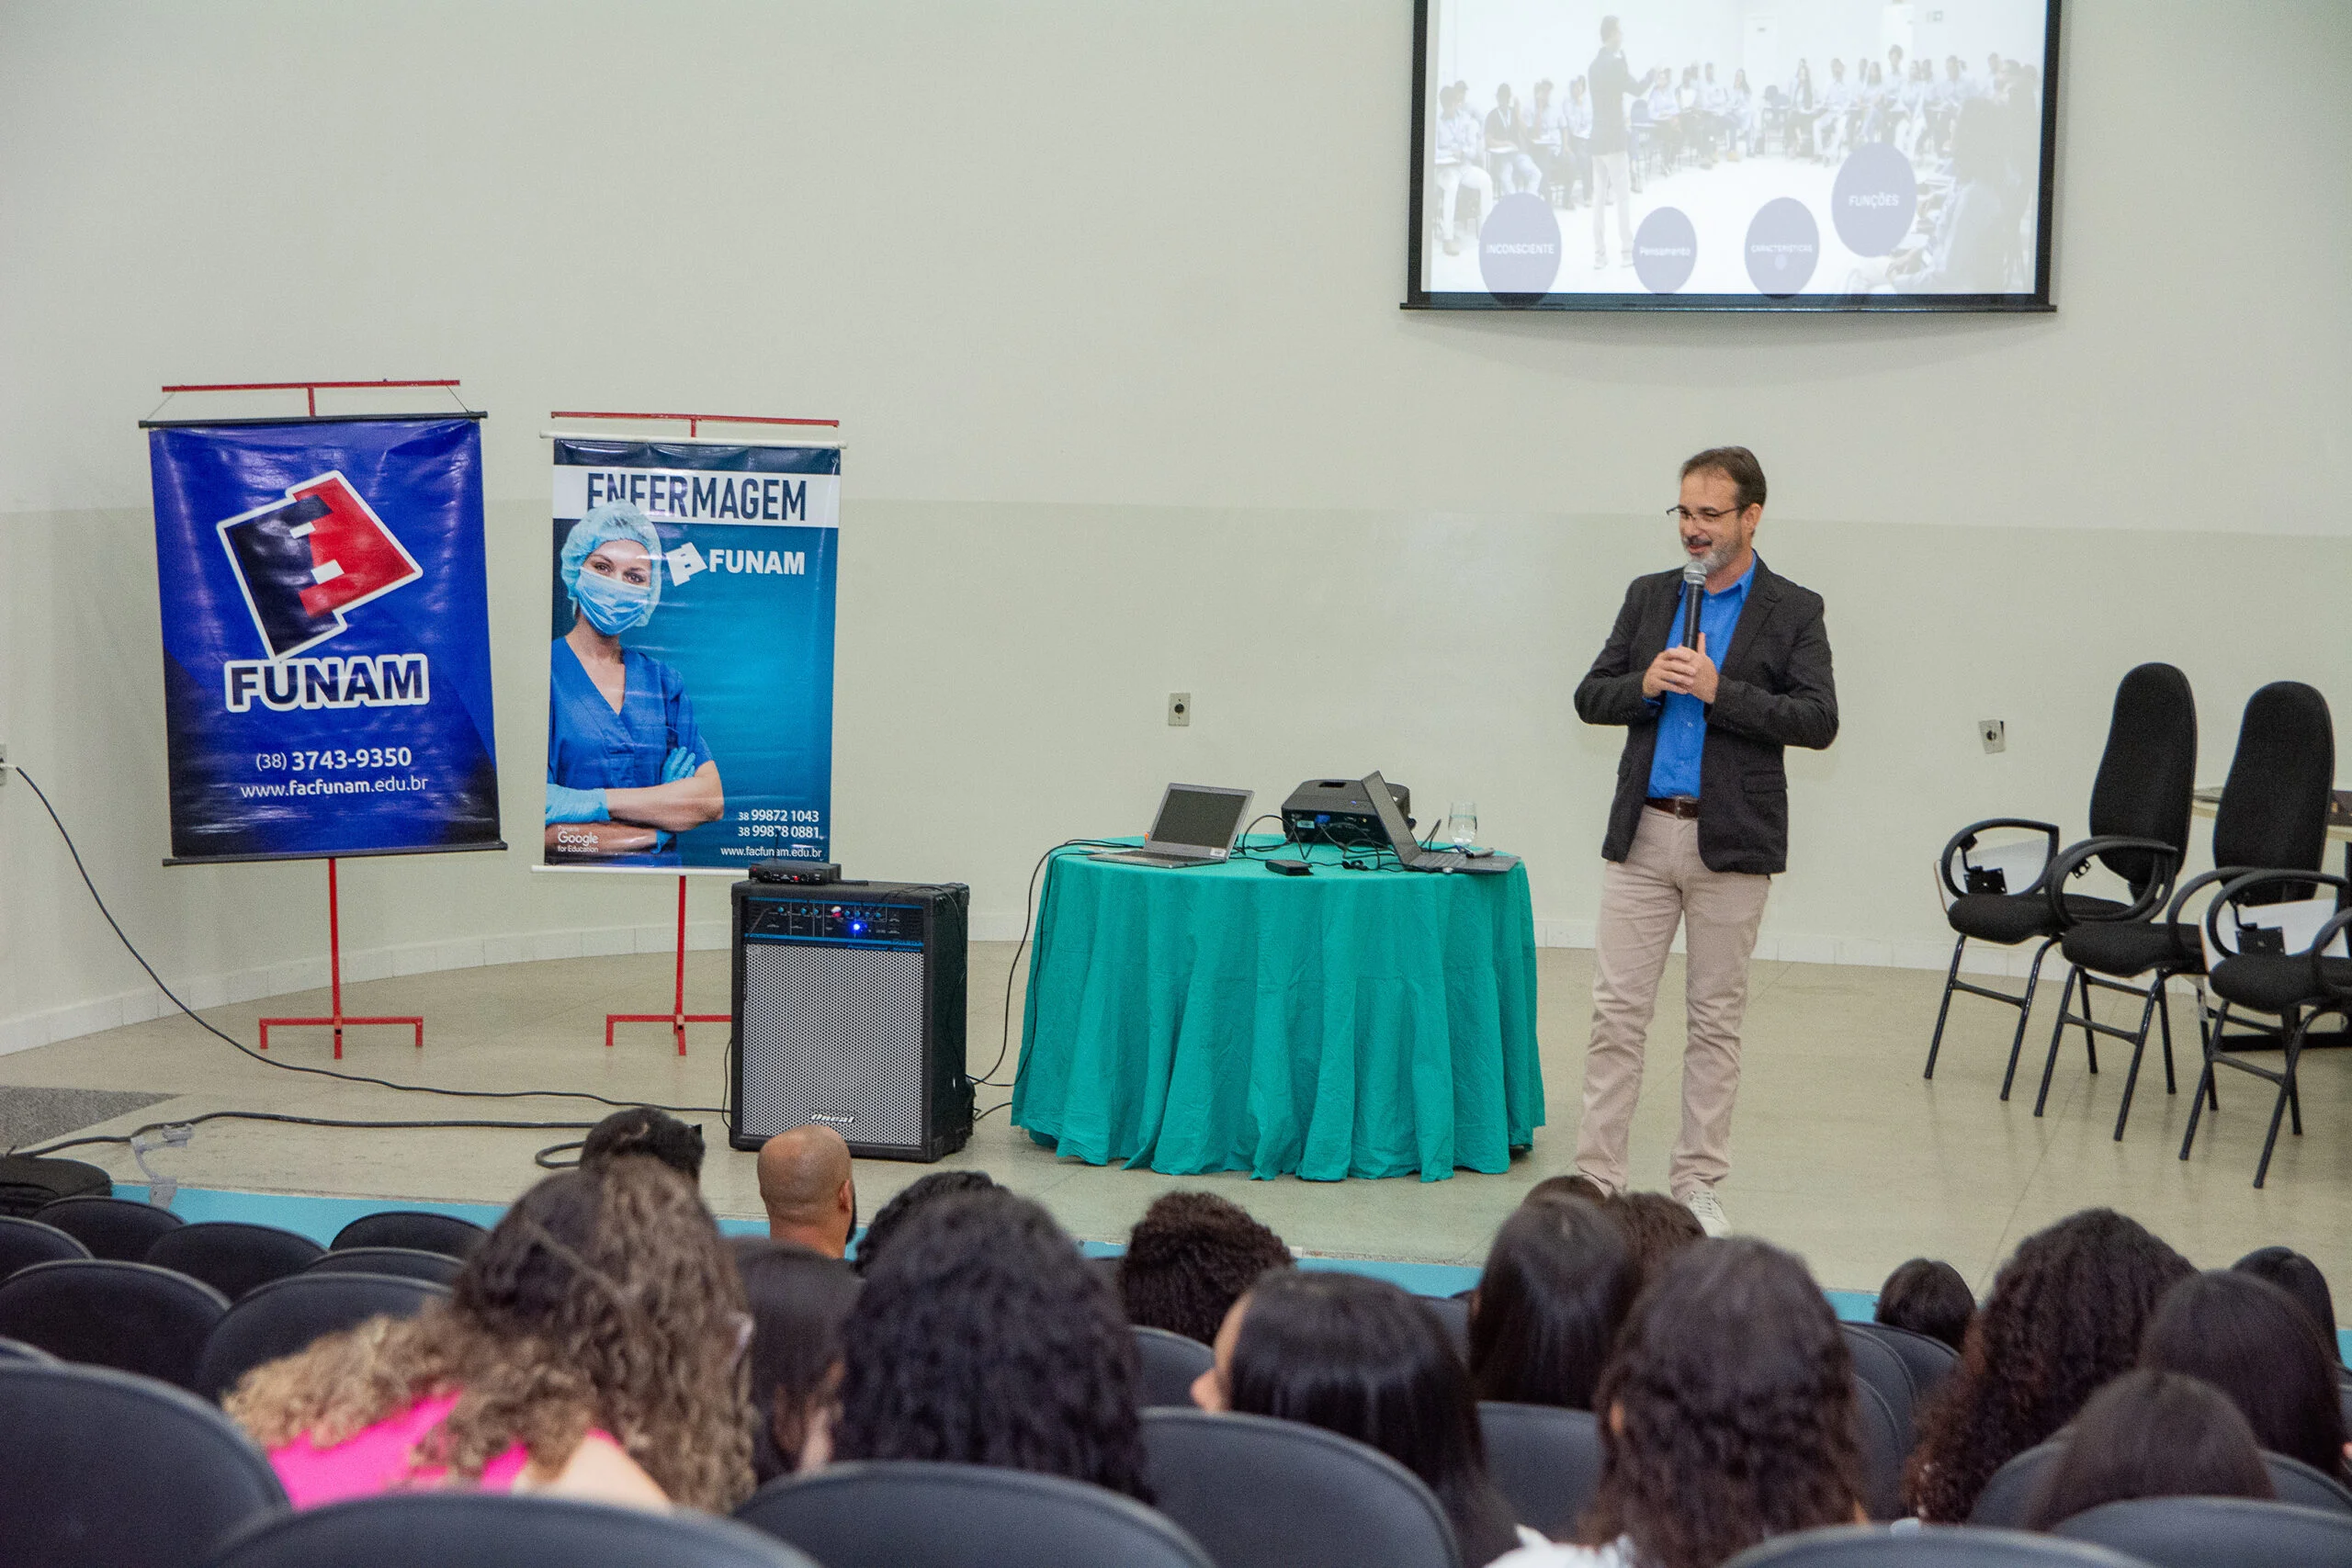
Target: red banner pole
(335,1019)
(677,1017)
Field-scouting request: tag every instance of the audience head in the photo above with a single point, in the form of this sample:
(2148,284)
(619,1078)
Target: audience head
(1359,1356)
(1655,1228)
(809,1188)
(983,1337)
(1449,98)
(2248,1339)
(1582,1189)
(2151,1434)
(1727,1415)
(643,1130)
(1558,1283)
(604,1298)
(1189,1258)
(923,1190)
(1927,1297)
(2065,1315)
(798,1302)
(2299,1277)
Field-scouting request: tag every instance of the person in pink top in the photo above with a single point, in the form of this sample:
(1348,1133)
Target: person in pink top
(592,1347)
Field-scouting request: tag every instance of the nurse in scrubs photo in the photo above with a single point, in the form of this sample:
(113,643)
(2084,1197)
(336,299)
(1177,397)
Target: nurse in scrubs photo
(627,768)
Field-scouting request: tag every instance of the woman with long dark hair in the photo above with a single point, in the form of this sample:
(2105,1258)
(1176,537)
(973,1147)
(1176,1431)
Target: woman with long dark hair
(2065,1315)
(1357,1356)
(799,1300)
(2299,1277)
(983,1337)
(1558,1283)
(2151,1434)
(2248,1339)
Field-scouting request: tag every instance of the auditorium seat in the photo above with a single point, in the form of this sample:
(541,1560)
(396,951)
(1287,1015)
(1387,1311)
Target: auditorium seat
(2215,1532)
(110,1227)
(1929,1360)
(1885,1446)
(103,1470)
(1546,1462)
(284,1315)
(1167,1364)
(1257,1493)
(1453,1313)
(416,1228)
(2010,1492)
(1935,1546)
(13,1350)
(478,1530)
(407,1262)
(24,1243)
(232,1257)
(904,1514)
(131,1316)
(1876,1364)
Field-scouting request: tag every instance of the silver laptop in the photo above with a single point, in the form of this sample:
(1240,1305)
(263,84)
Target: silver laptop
(1409,853)
(1196,826)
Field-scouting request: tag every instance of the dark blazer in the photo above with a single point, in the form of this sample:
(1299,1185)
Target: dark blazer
(1773,690)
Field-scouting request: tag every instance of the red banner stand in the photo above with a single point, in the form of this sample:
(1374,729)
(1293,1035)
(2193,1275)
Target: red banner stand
(677,1017)
(337,1020)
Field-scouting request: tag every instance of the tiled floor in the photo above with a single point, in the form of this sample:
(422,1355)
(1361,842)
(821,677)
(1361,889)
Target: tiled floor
(1842,1152)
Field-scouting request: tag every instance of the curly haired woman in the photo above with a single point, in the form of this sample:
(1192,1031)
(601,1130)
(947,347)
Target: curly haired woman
(591,1347)
(2065,1315)
(1189,1258)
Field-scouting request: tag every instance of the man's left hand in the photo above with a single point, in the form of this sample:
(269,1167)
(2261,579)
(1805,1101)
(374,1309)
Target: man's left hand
(1690,671)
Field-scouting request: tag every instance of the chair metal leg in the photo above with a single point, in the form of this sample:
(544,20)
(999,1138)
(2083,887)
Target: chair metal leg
(1944,1012)
(2287,1098)
(2090,1035)
(2139,1048)
(2025,1013)
(2164,1016)
(2058,1031)
(2205,1089)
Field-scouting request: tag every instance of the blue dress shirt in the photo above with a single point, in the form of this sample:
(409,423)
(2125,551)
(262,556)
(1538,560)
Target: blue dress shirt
(1682,726)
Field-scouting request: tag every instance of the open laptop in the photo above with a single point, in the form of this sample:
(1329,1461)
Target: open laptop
(1196,826)
(1409,852)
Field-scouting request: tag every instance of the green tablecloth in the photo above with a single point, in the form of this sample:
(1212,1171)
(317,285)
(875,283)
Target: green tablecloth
(1348,1024)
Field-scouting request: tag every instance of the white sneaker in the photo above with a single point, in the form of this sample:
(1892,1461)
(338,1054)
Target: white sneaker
(1702,1203)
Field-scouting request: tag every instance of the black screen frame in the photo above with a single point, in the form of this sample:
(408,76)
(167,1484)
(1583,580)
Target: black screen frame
(2037,300)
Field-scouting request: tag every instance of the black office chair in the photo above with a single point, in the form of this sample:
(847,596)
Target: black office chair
(1257,1493)
(406,1262)
(100,1470)
(415,1228)
(232,1257)
(24,1243)
(1877,1364)
(131,1316)
(2010,1492)
(2215,1532)
(286,1315)
(905,1513)
(1928,1359)
(1545,1461)
(1936,1546)
(1453,1313)
(16,1350)
(2272,815)
(110,1227)
(1884,1445)
(2139,819)
(1169,1363)
(2253,963)
(495,1529)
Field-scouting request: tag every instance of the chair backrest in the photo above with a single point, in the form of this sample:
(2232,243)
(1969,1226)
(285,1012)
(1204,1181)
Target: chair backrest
(911,1514)
(2273,812)
(1546,1462)
(15,1350)
(415,1228)
(2299,1483)
(2214,1532)
(1876,1363)
(1885,1446)
(495,1529)
(99,1468)
(24,1243)
(406,1262)
(1257,1493)
(1169,1363)
(1929,1360)
(1936,1546)
(131,1316)
(1453,1313)
(2149,769)
(284,1315)
(110,1227)
(231,1257)
(2007,1496)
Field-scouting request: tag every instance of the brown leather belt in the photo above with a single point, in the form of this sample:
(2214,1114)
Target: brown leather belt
(1682,805)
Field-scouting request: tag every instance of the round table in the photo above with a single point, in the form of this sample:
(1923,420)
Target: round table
(1369,1022)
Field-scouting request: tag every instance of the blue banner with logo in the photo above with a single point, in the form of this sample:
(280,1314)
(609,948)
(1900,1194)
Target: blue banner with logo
(690,675)
(326,637)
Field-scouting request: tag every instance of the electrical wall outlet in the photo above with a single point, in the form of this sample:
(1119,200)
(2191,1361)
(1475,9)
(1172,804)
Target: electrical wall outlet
(1995,733)
(1179,709)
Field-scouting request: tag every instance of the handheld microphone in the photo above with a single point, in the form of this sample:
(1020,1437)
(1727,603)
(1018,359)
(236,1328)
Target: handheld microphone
(1694,586)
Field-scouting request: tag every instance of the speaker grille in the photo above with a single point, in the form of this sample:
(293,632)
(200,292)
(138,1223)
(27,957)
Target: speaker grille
(834,1034)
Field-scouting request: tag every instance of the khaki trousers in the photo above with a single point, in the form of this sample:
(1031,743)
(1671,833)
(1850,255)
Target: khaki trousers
(1660,884)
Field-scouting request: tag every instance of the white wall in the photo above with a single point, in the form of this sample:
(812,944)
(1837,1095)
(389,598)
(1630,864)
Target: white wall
(1105,292)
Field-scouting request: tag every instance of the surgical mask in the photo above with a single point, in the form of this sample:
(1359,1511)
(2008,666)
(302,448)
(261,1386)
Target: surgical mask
(612,606)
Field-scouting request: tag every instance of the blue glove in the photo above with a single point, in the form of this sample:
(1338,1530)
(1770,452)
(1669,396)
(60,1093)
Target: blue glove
(568,805)
(679,764)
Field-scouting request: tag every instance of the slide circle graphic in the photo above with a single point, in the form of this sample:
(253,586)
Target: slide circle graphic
(1518,248)
(1666,248)
(1874,200)
(1783,247)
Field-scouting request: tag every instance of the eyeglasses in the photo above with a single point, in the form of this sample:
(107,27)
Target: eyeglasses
(1709,515)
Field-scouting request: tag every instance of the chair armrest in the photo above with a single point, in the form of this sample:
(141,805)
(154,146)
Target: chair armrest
(2078,857)
(1965,840)
(2237,891)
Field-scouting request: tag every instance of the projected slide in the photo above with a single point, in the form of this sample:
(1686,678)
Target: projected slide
(1748,154)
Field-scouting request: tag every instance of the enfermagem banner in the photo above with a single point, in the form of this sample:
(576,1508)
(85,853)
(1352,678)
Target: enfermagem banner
(326,637)
(690,674)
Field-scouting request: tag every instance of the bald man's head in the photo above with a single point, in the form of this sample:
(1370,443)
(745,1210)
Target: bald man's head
(807,1186)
